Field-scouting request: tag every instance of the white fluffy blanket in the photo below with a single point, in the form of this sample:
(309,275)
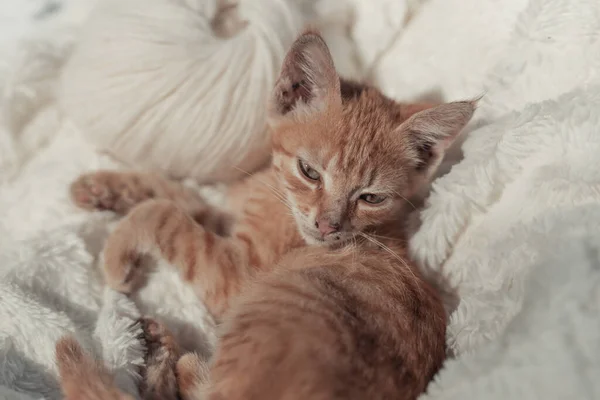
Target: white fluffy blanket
(514,227)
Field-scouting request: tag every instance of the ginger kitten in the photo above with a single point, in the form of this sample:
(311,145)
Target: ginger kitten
(311,281)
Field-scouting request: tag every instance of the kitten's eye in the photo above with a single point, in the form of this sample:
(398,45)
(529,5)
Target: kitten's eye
(372,198)
(307,171)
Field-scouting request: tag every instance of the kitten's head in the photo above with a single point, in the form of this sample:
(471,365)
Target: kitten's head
(349,157)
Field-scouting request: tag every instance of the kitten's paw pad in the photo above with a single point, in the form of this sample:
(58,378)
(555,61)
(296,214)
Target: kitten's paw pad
(106,190)
(87,193)
(158,339)
(153,330)
(95,191)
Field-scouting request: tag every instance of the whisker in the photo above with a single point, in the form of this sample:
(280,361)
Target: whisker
(392,253)
(278,194)
(355,247)
(275,190)
(394,239)
(405,199)
(279,197)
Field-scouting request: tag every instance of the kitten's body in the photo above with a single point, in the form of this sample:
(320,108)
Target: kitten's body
(331,326)
(347,318)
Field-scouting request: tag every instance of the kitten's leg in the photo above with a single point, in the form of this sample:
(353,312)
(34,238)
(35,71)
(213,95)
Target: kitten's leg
(192,377)
(216,266)
(121,191)
(81,377)
(159,380)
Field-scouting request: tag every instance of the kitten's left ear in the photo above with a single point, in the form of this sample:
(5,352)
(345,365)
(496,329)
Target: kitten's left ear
(428,134)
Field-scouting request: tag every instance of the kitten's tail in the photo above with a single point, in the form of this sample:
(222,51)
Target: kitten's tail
(192,377)
(81,377)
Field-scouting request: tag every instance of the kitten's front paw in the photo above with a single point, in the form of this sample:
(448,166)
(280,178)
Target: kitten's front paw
(106,190)
(160,342)
(159,380)
(93,191)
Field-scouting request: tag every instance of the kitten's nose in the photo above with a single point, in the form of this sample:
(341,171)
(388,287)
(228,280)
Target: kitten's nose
(327,227)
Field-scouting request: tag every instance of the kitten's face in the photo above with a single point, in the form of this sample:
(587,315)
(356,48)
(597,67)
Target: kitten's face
(342,173)
(348,164)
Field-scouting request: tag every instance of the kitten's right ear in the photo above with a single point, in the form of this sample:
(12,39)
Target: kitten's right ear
(308,83)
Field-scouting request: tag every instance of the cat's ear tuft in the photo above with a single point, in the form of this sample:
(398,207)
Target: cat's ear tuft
(308,82)
(428,133)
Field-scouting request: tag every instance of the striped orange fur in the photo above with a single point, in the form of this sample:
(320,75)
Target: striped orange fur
(310,278)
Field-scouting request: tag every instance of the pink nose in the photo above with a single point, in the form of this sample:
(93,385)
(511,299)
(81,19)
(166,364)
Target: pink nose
(327,227)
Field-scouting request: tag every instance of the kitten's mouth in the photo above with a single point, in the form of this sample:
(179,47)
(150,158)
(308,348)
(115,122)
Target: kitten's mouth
(311,237)
(315,238)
